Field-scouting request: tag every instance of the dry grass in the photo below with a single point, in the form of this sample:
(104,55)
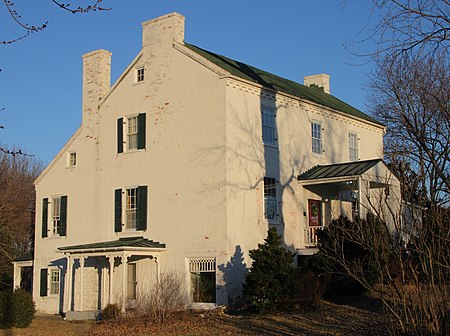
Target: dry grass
(330,319)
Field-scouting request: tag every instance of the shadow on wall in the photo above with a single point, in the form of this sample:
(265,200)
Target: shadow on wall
(234,272)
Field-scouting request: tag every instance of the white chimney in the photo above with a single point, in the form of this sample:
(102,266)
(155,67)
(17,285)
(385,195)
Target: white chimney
(319,80)
(163,31)
(96,81)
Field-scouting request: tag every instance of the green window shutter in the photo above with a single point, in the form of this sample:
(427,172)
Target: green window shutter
(118,210)
(141,208)
(141,131)
(120,135)
(45,217)
(44,279)
(62,230)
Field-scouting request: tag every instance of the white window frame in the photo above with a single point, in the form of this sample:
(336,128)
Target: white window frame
(130,209)
(131,132)
(140,74)
(54,281)
(316,138)
(72,159)
(132,281)
(274,200)
(202,265)
(55,215)
(268,125)
(353,146)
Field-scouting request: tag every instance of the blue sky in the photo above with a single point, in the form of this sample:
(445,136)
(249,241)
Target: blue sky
(40,84)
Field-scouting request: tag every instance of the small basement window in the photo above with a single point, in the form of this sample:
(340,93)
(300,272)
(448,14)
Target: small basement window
(203,280)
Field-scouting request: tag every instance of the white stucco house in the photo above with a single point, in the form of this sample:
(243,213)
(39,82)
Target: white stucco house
(183,164)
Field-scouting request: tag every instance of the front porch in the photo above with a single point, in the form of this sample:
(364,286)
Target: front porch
(110,272)
(349,189)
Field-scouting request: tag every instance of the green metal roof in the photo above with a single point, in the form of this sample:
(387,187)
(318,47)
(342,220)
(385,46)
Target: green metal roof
(120,243)
(25,257)
(338,170)
(268,80)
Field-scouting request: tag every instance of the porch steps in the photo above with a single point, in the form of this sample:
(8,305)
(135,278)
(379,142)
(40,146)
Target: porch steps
(82,315)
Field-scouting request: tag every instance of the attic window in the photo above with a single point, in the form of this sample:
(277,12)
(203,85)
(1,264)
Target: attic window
(140,75)
(72,159)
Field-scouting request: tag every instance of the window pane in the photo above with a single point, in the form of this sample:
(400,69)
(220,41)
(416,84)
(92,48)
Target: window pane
(353,147)
(132,133)
(268,125)
(56,214)
(140,74)
(316,136)
(270,198)
(131,208)
(54,281)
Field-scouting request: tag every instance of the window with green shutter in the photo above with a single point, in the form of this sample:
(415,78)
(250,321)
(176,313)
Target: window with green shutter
(120,135)
(131,131)
(142,208)
(45,217)
(118,210)
(133,214)
(62,228)
(43,285)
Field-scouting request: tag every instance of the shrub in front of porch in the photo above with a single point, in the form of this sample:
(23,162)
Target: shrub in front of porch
(271,277)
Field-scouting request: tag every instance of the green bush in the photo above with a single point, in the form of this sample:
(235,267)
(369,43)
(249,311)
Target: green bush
(16,309)
(269,281)
(23,309)
(111,312)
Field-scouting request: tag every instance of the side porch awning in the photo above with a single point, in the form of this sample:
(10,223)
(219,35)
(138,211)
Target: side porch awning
(351,189)
(339,172)
(121,249)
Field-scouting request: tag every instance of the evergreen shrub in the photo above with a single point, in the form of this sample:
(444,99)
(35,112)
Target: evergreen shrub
(270,280)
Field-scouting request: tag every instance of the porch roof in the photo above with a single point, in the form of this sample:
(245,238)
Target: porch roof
(24,257)
(339,170)
(128,243)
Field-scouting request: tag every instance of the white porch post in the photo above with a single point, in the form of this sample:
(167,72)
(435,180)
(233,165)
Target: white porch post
(69,284)
(359,197)
(111,269)
(17,276)
(158,272)
(124,280)
(81,281)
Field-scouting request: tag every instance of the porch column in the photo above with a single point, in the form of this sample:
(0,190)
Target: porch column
(124,280)
(68,281)
(111,269)
(158,272)
(360,212)
(81,281)
(17,276)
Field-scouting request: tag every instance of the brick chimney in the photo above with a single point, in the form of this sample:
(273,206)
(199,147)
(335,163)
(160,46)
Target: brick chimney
(319,80)
(96,81)
(162,31)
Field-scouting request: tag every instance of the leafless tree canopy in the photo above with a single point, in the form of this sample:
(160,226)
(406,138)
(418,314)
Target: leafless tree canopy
(30,29)
(17,197)
(411,96)
(405,26)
